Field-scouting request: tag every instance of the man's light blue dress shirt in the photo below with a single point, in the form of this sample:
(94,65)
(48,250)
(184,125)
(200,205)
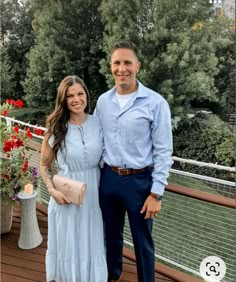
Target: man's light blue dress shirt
(139,134)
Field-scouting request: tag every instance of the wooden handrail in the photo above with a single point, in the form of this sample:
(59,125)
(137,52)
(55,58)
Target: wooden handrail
(201,195)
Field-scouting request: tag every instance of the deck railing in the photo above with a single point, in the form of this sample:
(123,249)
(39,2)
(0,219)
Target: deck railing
(197,218)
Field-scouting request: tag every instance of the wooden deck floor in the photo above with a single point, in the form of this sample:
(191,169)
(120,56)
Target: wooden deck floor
(28,265)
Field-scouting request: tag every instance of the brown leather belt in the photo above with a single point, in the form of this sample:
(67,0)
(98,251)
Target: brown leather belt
(126,171)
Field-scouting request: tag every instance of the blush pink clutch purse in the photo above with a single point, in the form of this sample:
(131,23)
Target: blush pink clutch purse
(74,190)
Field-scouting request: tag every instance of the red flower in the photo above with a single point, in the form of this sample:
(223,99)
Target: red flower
(7,146)
(28,133)
(25,166)
(13,143)
(38,131)
(19,103)
(16,129)
(4,113)
(16,169)
(5,176)
(19,143)
(11,102)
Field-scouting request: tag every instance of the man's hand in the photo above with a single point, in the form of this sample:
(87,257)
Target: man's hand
(151,206)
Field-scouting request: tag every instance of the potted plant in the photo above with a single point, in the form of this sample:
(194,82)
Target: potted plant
(15,169)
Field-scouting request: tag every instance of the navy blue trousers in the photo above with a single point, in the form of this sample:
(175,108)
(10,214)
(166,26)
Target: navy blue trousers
(120,194)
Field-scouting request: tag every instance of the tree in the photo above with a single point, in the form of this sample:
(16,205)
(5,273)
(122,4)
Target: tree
(201,138)
(180,60)
(17,38)
(8,83)
(127,20)
(225,79)
(205,138)
(68,36)
(178,49)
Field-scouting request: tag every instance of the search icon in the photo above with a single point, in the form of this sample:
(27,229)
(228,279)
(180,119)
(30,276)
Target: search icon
(212,269)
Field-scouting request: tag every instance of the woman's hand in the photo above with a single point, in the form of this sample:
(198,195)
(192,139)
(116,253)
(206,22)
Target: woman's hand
(59,197)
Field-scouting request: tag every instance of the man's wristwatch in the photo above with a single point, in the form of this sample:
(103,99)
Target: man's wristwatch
(157,197)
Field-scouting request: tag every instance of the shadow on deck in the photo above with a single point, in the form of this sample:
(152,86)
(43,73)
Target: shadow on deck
(29,265)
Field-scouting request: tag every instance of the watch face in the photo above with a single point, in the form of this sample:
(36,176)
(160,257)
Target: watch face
(159,198)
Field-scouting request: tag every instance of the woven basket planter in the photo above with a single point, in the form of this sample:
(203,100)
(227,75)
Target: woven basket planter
(6,215)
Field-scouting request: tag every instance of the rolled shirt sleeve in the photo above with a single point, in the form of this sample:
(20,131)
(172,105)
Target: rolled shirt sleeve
(161,134)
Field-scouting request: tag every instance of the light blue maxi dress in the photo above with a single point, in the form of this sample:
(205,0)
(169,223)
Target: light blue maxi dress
(76,251)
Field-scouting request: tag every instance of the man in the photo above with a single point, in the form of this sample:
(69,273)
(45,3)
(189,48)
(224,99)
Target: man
(137,132)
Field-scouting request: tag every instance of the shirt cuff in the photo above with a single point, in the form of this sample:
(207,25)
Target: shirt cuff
(158,188)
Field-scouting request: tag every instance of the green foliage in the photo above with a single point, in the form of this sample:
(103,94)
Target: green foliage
(14,161)
(128,20)
(180,59)
(186,49)
(17,38)
(68,36)
(179,43)
(225,80)
(225,152)
(8,83)
(205,138)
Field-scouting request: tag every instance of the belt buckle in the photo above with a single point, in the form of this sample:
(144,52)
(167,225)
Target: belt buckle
(125,170)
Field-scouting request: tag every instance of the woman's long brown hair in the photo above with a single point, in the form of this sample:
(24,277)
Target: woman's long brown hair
(56,122)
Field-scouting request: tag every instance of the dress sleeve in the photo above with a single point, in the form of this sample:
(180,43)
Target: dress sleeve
(51,140)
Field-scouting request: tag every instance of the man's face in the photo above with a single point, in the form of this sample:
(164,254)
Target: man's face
(124,66)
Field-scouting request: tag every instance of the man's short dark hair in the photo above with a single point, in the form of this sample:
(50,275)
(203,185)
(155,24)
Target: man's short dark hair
(124,44)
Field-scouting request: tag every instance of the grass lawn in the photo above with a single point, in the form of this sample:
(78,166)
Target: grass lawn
(16,113)
(30,115)
(192,183)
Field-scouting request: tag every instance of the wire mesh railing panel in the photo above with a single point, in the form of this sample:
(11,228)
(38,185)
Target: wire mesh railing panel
(35,153)
(43,195)
(188,230)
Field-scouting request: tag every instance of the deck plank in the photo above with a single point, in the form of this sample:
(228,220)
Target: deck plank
(21,254)
(13,278)
(22,272)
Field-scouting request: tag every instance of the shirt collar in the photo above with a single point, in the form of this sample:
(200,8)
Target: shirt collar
(141,92)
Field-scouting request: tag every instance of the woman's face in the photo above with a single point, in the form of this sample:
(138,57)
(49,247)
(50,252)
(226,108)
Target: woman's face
(76,99)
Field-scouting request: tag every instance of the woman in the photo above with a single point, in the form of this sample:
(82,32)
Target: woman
(74,141)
